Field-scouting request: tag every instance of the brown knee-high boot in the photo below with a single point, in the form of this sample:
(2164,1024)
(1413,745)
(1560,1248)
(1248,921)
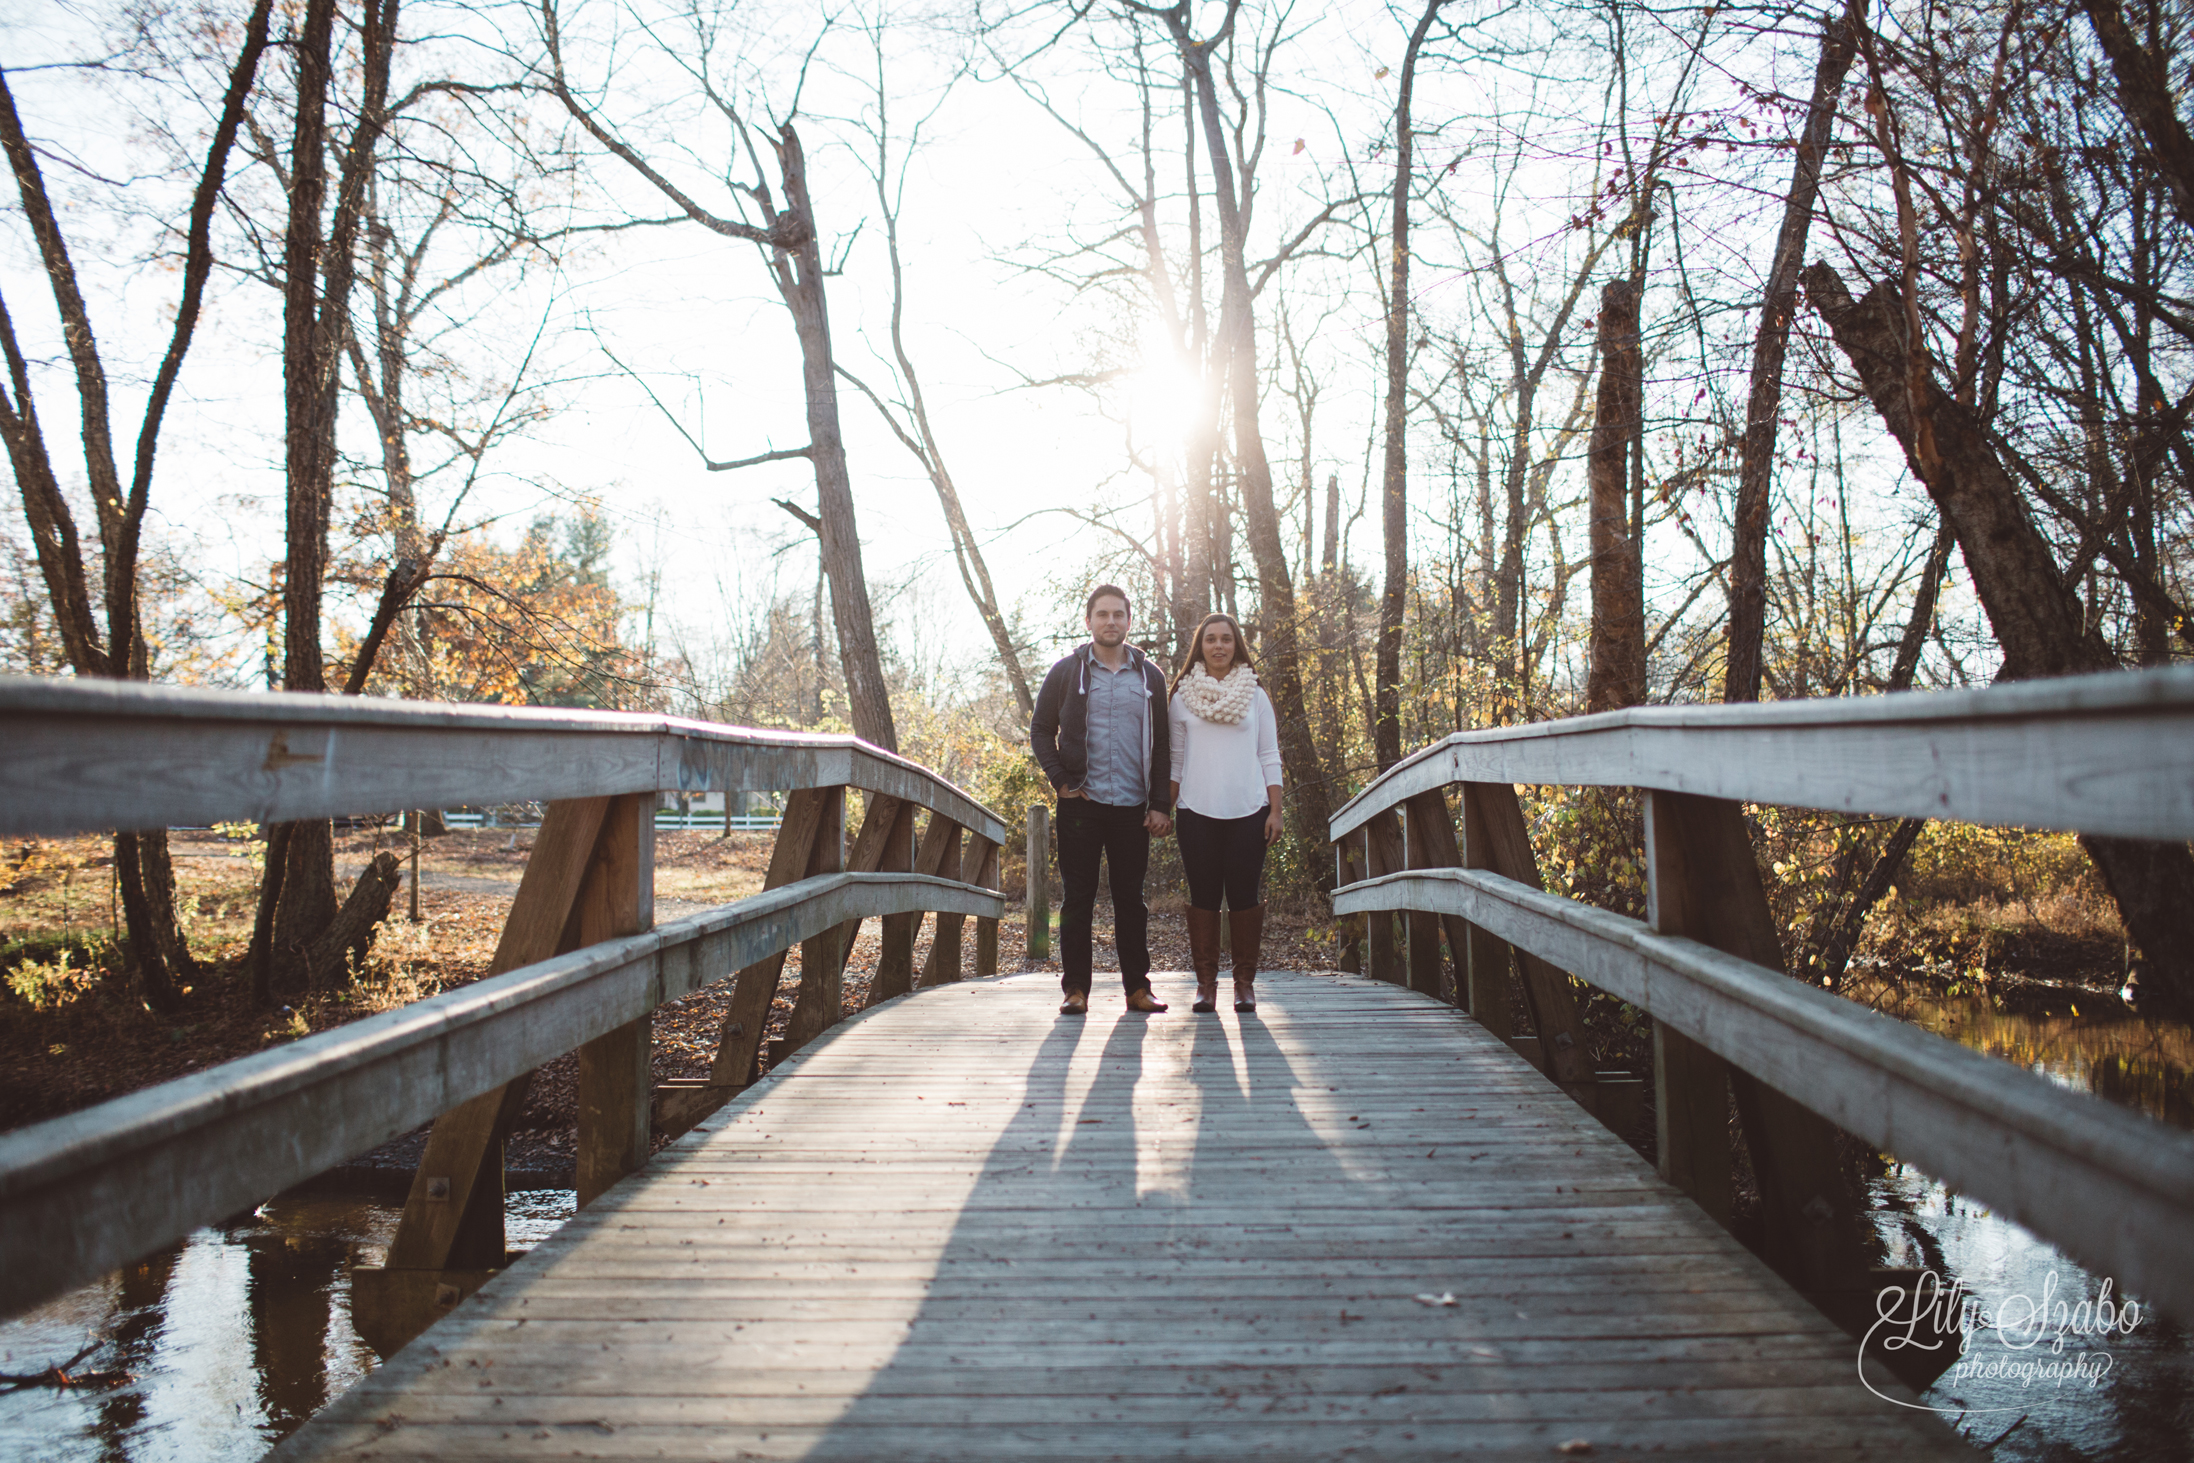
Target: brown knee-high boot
(1246,932)
(1203,954)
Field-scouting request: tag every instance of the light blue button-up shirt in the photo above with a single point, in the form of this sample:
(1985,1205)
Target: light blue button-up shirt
(1118,735)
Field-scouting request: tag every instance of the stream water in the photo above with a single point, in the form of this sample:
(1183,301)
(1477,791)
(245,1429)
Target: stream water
(230,1340)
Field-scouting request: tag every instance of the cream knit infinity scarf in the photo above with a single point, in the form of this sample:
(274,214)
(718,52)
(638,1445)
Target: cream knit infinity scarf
(1226,700)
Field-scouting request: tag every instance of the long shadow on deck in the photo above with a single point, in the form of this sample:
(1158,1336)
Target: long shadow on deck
(1098,1295)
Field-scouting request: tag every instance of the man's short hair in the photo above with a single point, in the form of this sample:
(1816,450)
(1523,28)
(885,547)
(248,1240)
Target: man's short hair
(1100,592)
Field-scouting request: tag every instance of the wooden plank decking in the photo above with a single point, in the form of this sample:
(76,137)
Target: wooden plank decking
(962,1227)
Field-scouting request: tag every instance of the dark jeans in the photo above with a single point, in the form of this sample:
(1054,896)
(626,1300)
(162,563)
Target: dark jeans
(1089,831)
(1222,856)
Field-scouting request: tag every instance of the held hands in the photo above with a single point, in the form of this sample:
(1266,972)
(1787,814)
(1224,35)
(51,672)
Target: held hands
(1157,824)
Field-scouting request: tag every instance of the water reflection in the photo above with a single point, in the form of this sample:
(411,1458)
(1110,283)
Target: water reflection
(2127,1395)
(230,1340)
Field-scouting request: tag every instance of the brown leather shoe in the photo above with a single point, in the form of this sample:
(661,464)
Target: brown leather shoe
(1076,1004)
(1143,1000)
(1246,932)
(1203,955)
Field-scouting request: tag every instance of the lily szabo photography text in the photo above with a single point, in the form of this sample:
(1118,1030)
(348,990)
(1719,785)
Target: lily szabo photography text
(2056,1338)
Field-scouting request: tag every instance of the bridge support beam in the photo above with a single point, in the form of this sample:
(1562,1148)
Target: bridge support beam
(1704,884)
(1036,922)
(1495,837)
(590,878)
(814,817)
(1384,853)
(943,963)
(986,930)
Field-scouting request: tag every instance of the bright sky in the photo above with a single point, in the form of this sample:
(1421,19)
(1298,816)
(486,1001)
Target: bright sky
(996,185)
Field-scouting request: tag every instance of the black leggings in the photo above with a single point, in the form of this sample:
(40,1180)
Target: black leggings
(1222,857)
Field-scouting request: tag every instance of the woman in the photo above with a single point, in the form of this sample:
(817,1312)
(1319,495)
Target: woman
(1226,797)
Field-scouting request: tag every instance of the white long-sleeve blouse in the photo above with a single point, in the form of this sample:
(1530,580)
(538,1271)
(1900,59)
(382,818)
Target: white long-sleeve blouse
(1225,768)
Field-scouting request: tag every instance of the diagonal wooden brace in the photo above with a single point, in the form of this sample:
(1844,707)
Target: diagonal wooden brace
(1495,837)
(814,821)
(590,877)
(1705,885)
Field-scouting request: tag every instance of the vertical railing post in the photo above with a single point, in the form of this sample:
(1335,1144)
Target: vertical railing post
(450,1238)
(1705,885)
(895,964)
(814,816)
(943,963)
(986,929)
(1690,1083)
(1494,828)
(1383,853)
(1486,968)
(1036,939)
(1426,976)
(821,999)
(616,1076)
(1347,928)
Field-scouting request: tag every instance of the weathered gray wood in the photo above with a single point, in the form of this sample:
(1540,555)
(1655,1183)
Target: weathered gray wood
(1036,908)
(1384,854)
(942,964)
(986,930)
(453,1217)
(88,755)
(1491,963)
(821,998)
(616,1079)
(1225,1266)
(1705,885)
(1690,1083)
(1496,818)
(1424,818)
(746,1014)
(2110,754)
(2109,1186)
(99,1188)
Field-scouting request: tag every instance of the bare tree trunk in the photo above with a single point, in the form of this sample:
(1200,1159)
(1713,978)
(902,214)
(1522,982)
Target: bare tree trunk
(1393,499)
(799,276)
(317,274)
(2037,619)
(157,948)
(1763,405)
(1617,675)
(2145,93)
(1238,343)
(794,255)
(1332,710)
(919,437)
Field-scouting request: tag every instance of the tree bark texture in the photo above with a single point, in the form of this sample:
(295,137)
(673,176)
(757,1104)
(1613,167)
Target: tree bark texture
(2145,92)
(318,269)
(1617,674)
(2036,616)
(1394,482)
(158,950)
(799,275)
(1763,404)
(1238,340)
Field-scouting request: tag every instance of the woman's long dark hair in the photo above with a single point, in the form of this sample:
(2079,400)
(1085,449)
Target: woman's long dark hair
(1196,647)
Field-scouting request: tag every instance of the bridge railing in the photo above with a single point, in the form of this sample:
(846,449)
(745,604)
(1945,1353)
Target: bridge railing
(2109,755)
(580,965)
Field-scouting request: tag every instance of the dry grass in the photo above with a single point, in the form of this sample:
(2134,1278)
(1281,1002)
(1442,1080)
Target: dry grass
(73,1034)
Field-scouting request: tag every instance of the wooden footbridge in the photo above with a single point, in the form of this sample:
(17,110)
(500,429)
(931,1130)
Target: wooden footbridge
(1364,1221)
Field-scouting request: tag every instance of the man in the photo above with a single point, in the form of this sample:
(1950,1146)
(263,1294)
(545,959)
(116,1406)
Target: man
(1100,735)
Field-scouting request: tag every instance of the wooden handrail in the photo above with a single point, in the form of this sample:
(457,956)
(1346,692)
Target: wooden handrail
(83,1193)
(2111,1186)
(2110,754)
(97,1188)
(90,755)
